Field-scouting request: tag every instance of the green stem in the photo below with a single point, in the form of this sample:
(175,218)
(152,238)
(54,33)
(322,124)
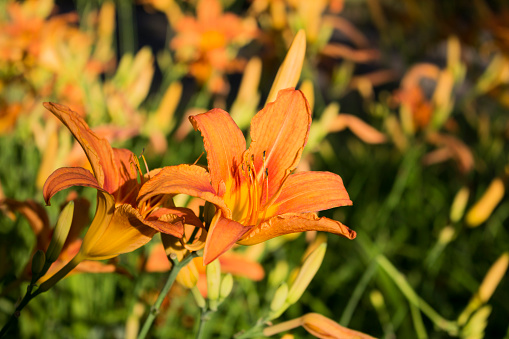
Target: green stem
(204,318)
(449,326)
(43,288)
(255,331)
(154,311)
(357,294)
(59,275)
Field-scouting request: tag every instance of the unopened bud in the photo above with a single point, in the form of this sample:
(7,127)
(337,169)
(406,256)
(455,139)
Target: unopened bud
(226,287)
(459,204)
(213,283)
(289,72)
(307,88)
(198,297)
(306,273)
(485,206)
(38,261)
(278,274)
(446,235)
(488,286)
(493,277)
(278,302)
(188,275)
(60,233)
(477,323)
(377,299)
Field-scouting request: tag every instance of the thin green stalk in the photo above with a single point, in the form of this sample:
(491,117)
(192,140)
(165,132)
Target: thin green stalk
(154,310)
(43,288)
(420,329)
(204,318)
(255,331)
(450,327)
(357,294)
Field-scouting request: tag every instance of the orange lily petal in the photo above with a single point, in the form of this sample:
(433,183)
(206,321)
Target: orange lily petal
(310,192)
(222,235)
(127,185)
(66,177)
(98,150)
(280,130)
(224,143)
(103,215)
(183,179)
(124,233)
(292,223)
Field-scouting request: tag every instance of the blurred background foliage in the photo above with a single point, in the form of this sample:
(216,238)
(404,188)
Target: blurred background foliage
(410,106)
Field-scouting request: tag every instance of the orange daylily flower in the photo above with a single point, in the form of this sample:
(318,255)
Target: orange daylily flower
(206,42)
(120,224)
(256,196)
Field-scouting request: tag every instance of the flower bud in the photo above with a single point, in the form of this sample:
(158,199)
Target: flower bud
(213,283)
(477,324)
(198,297)
(38,261)
(226,287)
(289,72)
(307,89)
(60,233)
(493,277)
(485,206)
(459,204)
(277,305)
(306,273)
(188,275)
(278,274)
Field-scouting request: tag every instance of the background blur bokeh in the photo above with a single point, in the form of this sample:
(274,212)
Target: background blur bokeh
(410,107)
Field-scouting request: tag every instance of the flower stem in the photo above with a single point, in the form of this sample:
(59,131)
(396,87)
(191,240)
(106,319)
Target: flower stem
(204,318)
(449,326)
(154,310)
(43,288)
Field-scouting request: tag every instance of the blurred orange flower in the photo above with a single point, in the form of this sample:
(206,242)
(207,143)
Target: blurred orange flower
(256,196)
(209,42)
(120,224)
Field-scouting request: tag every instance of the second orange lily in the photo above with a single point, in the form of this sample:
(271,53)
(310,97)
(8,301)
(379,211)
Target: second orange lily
(255,193)
(120,224)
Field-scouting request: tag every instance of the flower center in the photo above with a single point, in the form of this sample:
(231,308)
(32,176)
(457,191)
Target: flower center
(245,194)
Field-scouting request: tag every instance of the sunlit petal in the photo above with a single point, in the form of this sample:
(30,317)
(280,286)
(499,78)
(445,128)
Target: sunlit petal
(183,179)
(224,143)
(280,132)
(98,150)
(292,223)
(310,192)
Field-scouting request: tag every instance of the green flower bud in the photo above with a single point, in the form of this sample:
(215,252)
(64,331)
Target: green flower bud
(458,205)
(213,283)
(60,233)
(306,273)
(198,297)
(279,299)
(226,287)
(38,261)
